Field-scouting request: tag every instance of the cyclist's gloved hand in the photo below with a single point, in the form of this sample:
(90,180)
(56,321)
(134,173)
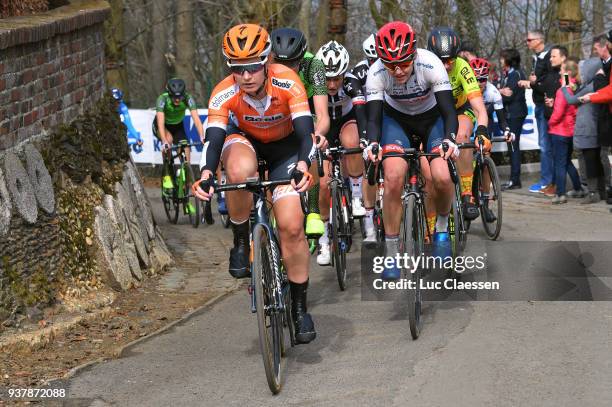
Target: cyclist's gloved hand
(452,151)
(509,136)
(363,143)
(320,141)
(204,189)
(372,152)
(483,134)
(302,179)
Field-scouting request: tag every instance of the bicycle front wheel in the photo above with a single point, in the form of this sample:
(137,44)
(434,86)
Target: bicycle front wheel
(493,200)
(339,228)
(191,201)
(412,243)
(265,271)
(171,204)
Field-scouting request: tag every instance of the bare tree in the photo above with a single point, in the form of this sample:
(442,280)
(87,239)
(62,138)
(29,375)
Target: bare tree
(185,47)
(159,44)
(116,72)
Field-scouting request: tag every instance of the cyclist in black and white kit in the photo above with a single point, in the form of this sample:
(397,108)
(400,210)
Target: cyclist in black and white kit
(409,94)
(346,105)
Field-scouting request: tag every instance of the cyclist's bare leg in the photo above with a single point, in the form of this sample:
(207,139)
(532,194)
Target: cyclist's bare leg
(430,194)
(464,162)
(324,194)
(240,163)
(290,221)
(442,185)
(350,139)
(395,169)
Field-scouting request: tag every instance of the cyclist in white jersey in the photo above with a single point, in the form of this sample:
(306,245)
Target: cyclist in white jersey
(409,103)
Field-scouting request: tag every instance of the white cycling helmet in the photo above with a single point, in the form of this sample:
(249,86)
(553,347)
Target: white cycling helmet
(369,47)
(335,58)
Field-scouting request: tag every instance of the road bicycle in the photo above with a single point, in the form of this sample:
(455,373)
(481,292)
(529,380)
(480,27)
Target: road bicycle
(183,178)
(269,285)
(341,211)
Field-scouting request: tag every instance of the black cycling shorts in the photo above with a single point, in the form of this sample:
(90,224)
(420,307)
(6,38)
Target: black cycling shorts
(177,131)
(281,156)
(336,126)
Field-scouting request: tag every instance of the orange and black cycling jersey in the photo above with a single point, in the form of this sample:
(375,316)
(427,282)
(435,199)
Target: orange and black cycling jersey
(283,111)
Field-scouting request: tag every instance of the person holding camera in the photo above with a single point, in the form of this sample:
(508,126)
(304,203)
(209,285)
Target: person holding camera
(561,128)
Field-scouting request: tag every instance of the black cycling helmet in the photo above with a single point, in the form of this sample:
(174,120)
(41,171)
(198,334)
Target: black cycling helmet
(176,87)
(443,42)
(288,44)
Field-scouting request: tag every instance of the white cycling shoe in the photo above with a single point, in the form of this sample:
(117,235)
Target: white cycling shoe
(323,259)
(358,210)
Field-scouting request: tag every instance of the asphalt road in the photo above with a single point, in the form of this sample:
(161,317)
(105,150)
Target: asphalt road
(512,353)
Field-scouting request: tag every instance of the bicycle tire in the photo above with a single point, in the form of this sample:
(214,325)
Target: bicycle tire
(269,320)
(207,213)
(194,218)
(493,232)
(338,230)
(412,243)
(171,204)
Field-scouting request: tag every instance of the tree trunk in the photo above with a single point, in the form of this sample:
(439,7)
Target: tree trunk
(116,72)
(305,10)
(568,26)
(322,17)
(466,18)
(599,8)
(336,27)
(185,48)
(160,44)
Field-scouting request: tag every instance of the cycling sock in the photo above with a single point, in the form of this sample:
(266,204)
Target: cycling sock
(356,186)
(391,245)
(431,222)
(313,199)
(369,218)
(442,223)
(241,232)
(466,184)
(324,239)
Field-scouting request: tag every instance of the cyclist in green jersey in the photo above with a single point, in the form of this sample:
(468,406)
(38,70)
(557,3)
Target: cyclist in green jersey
(471,110)
(168,123)
(289,48)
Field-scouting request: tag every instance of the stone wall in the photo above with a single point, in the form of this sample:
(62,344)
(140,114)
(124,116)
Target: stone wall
(51,68)
(73,213)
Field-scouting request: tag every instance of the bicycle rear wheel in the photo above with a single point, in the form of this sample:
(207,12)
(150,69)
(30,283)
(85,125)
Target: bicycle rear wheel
(339,229)
(190,198)
(265,270)
(412,243)
(494,200)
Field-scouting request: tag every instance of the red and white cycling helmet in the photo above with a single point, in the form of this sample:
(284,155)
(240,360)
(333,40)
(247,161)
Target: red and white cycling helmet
(396,42)
(481,68)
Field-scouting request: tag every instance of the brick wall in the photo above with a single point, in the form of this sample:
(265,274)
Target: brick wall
(51,68)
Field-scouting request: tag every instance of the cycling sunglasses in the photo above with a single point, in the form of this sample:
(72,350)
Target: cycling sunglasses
(239,69)
(401,65)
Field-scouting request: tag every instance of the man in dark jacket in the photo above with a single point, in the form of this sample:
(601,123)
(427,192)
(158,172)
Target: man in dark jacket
(541,70)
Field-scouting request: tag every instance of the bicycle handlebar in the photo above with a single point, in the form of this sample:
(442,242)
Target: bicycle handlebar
(371,173)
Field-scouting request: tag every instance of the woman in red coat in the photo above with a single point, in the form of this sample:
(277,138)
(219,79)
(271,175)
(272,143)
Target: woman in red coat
(561,129)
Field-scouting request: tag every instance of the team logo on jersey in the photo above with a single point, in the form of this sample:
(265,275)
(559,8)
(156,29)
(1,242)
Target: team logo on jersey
(222,97)
(465,71)
(262,119)
(428,66)
(283,84)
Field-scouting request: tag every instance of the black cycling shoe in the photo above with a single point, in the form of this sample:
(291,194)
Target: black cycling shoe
(470,210)
(239,262)
(239,266)
(489,216)
(304,327)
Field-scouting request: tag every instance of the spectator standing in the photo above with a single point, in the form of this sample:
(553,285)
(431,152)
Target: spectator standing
(515,108)
(585,133)
(541,70)
(561,128)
